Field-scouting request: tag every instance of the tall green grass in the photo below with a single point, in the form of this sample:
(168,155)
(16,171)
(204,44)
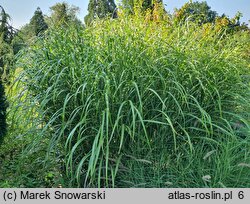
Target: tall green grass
(143,104)
(21,165)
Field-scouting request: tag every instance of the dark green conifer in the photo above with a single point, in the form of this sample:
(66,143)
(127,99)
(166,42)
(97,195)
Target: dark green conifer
(6,37)
(3,107)
(37,23)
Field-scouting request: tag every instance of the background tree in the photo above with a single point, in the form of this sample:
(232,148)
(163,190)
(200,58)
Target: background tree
(232,25)
(6,36)
(37,23)
(128,5)
(100,9)
(149,4)
(63,14)
(6,30)
(3,107)
(198,12)
(35,27)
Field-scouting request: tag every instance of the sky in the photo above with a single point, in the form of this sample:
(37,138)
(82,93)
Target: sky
(21,11)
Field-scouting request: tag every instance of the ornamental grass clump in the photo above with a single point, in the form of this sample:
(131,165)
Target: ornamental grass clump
(139,103)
